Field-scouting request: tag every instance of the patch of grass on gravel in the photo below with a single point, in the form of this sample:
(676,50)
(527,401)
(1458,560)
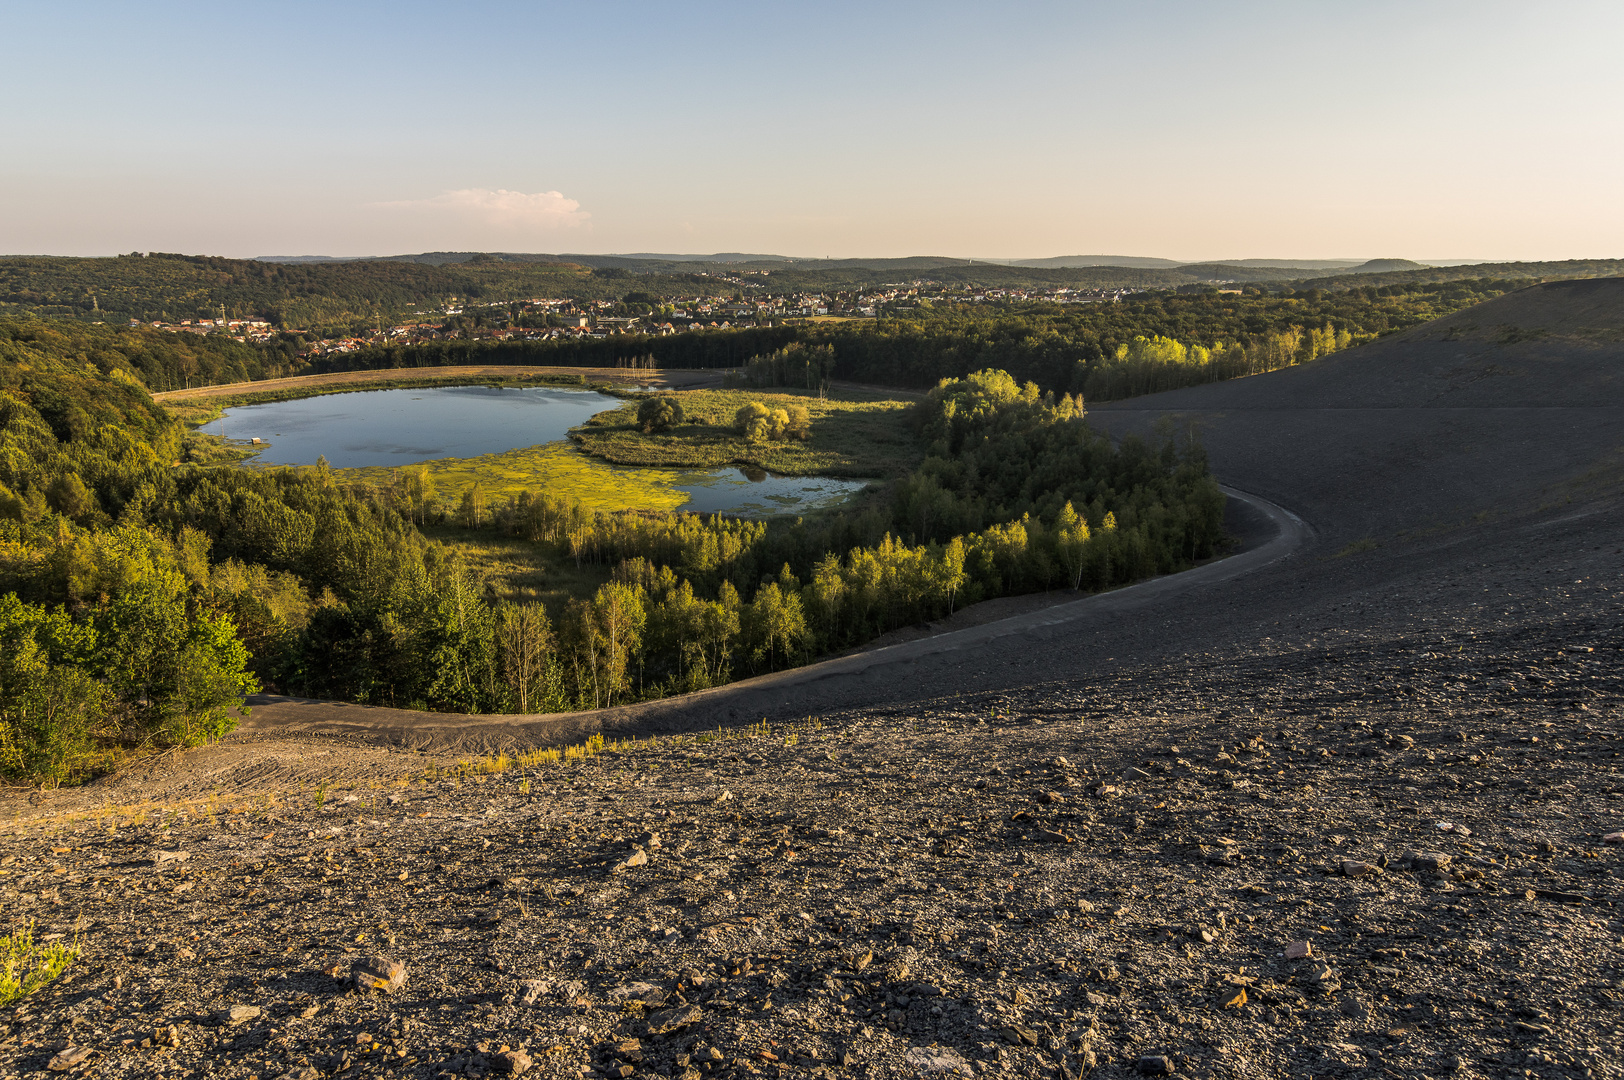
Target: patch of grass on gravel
(852,435)
(27,965)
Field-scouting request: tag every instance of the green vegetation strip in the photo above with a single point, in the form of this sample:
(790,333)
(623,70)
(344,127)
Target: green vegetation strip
(852,436)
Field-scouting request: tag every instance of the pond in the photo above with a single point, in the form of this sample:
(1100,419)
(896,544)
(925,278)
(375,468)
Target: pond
(376,430)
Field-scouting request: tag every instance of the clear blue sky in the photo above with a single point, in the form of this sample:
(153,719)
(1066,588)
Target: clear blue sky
(1187,130)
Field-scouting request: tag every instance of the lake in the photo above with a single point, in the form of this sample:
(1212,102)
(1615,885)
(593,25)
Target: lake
(369,429)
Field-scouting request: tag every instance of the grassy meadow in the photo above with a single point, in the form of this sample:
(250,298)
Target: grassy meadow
(853,435)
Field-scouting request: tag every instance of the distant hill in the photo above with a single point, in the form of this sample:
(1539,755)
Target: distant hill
(1070,262)
(1419,274)
(1291,264)
(1382,266)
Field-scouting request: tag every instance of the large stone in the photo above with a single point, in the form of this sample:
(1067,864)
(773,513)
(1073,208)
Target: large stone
(1434,862)
(636,858)
(669,1020)
(380,973)
(511,1062)
(242,1014)
(69,1057)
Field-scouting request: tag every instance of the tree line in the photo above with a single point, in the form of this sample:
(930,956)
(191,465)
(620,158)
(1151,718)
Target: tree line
(1103,351)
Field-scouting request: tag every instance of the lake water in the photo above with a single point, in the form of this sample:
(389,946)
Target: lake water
(401,427)
(392,428)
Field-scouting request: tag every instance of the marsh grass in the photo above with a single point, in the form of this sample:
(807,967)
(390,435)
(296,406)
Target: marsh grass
(27,965)
(853,435)
(556,468)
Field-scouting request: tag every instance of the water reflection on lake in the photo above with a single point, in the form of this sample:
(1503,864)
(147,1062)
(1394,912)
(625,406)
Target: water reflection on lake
(753,493)
(392,428)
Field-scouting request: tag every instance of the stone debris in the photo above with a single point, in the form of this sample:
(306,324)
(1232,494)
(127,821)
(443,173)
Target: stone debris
(1298,950)
(899,921)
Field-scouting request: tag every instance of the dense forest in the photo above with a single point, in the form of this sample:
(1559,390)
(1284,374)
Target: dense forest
(141,599)
(1148,342)
(160,361)
(173,287)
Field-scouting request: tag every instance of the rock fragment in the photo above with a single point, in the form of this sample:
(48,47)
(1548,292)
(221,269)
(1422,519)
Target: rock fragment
(636,858)
(512,1062)
(1435,862)
(379,973)
(68,1058)
(669,1020)
(242,1014)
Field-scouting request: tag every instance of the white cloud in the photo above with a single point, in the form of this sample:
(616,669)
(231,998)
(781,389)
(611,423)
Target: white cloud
(503,208)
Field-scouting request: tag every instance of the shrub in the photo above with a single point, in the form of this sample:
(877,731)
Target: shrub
(659,414)
(26,966)
(758,423)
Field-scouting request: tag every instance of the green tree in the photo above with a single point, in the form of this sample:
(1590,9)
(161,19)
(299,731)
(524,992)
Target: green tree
(51,707)
(525,636)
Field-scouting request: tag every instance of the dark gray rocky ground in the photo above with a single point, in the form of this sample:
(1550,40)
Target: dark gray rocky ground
(1077,848)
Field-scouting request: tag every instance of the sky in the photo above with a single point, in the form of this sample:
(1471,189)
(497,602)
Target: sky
(1184,130)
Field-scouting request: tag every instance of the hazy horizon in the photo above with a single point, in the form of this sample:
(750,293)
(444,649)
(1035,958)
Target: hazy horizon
(1173,130)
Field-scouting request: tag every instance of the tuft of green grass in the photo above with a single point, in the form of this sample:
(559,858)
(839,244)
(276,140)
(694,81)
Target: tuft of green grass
(853,435)
(26,966)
